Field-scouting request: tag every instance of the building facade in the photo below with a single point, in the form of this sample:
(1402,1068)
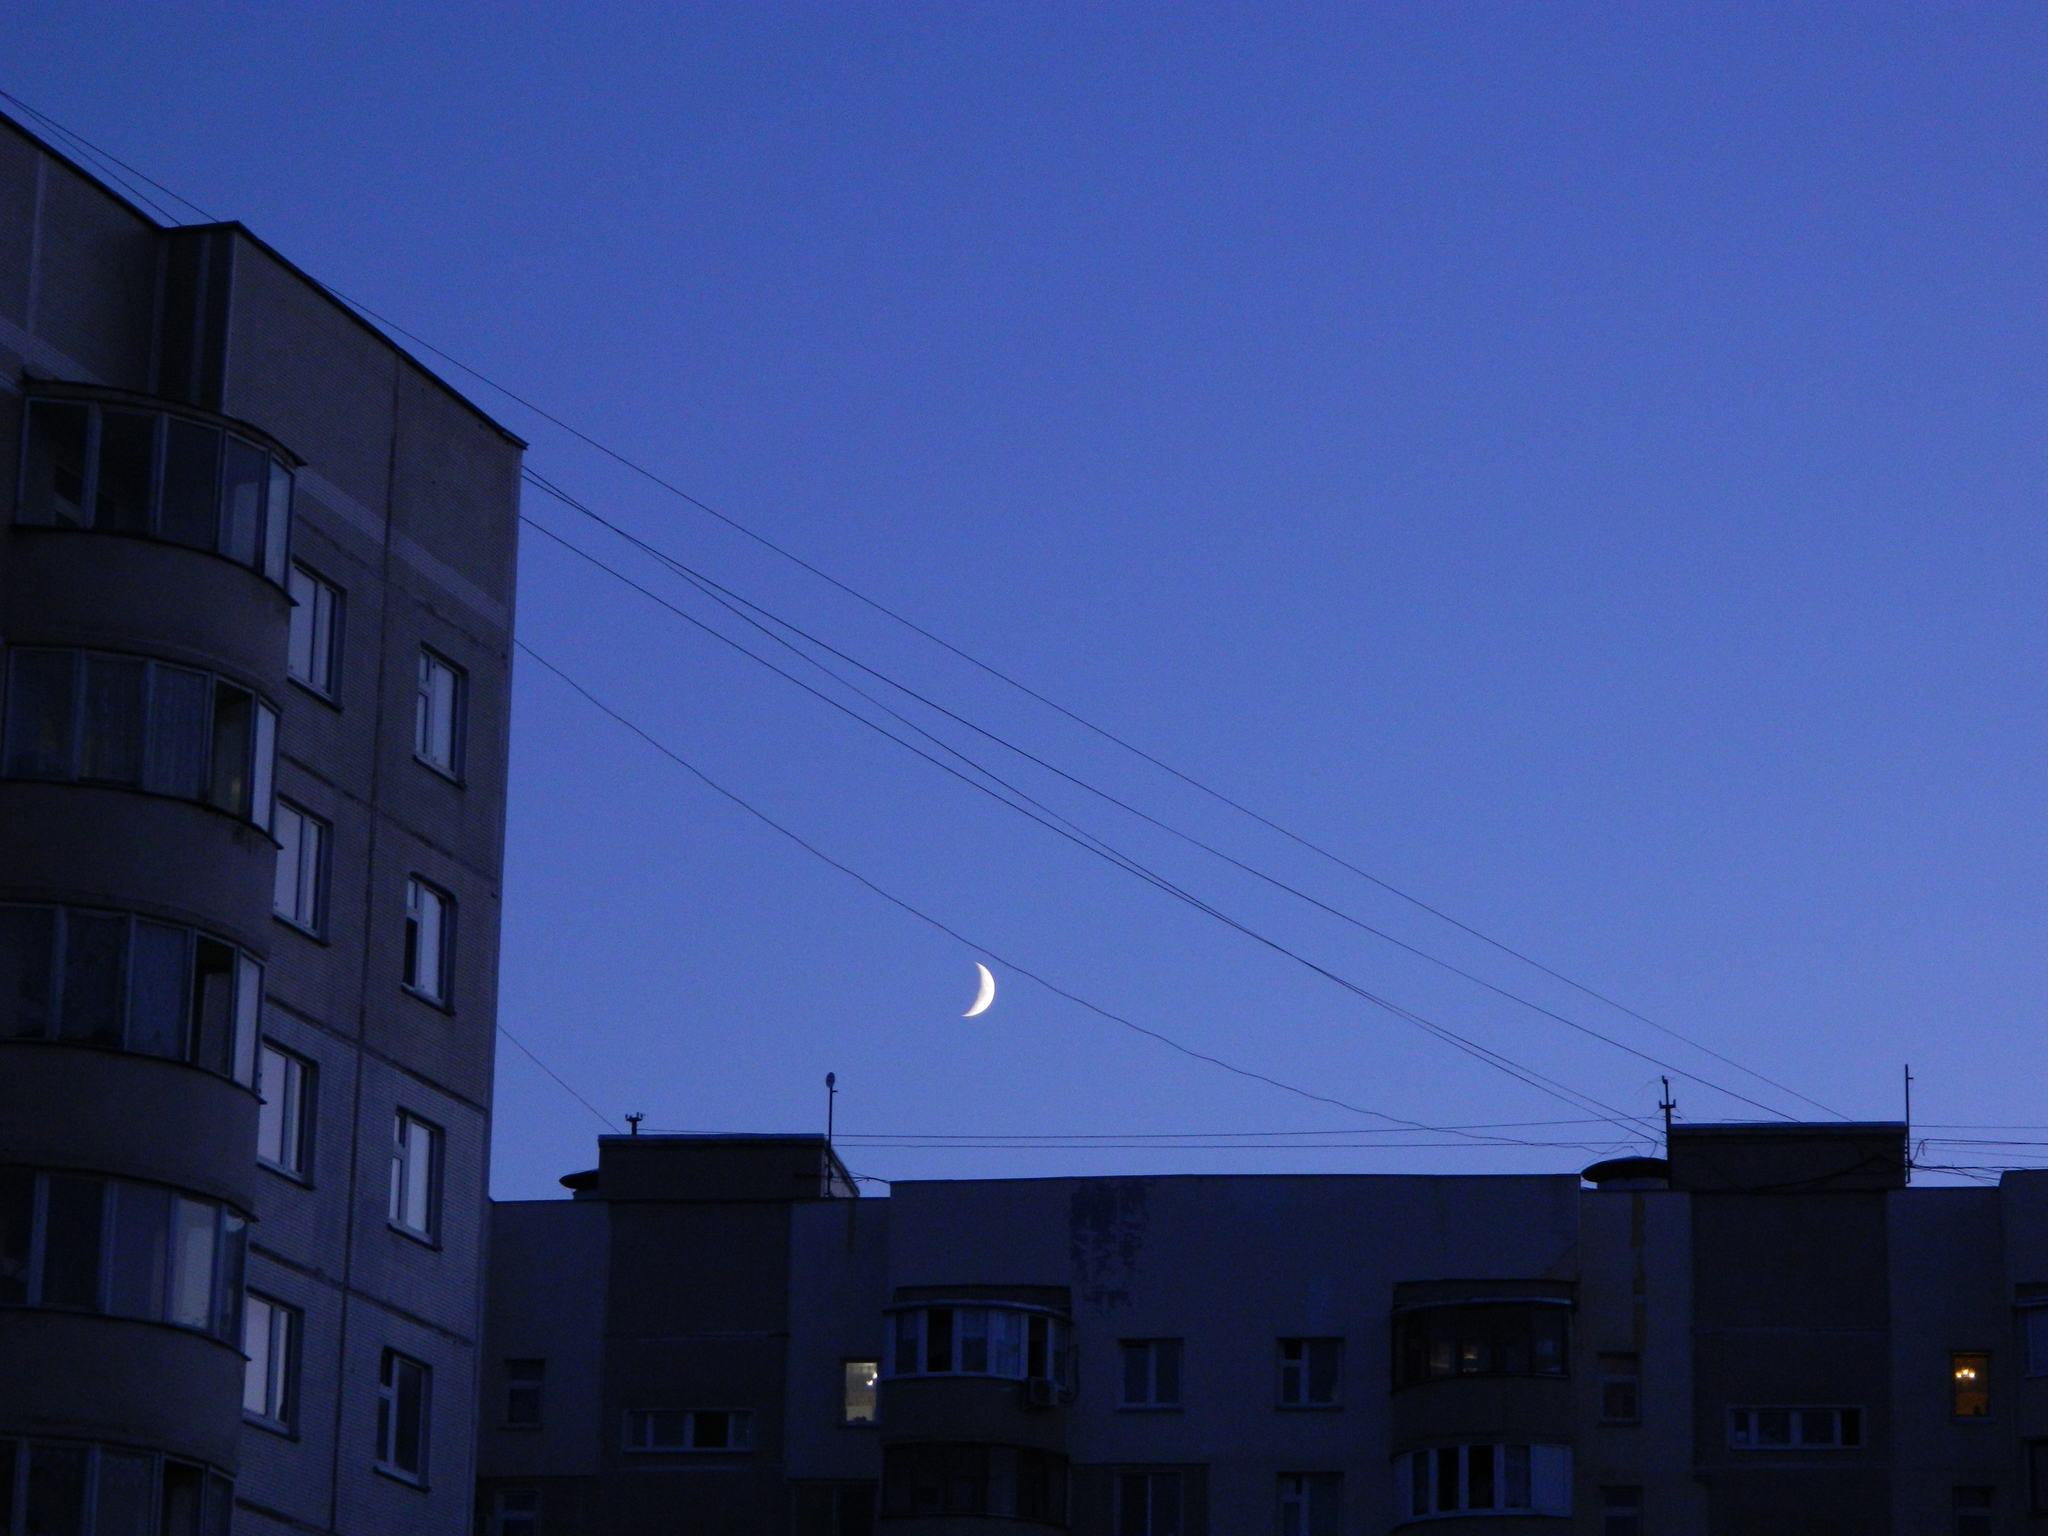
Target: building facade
(1767,1334)
(256,572)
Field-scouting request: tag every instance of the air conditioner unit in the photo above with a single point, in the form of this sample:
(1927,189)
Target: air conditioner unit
(1042,1392)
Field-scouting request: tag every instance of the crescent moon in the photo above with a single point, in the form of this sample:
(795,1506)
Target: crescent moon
(987,994)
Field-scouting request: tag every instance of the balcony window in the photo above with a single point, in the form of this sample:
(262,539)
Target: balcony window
(1006,1481)
(2034,1325)
(84,717)
(689,1429)
(157,475)
(65,1488)
(120,1249)
(1015,1342)
(1484,1478)
(1503,1338)
(110,979)
(1795,1429)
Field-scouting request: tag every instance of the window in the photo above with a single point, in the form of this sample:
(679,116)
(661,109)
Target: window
(857,1397)
(126,983)
(87,718)
(1311,1503)
(1973,1508)
(429,939)
(65,1488)
(156,475)
(1621,1512)
(1807,1429)
(1002,1480)
(1149,1504)
(438,717)
(415,1170)
(1621,1389)
(270,1339)
(299,895)
(403,1388)
(313,656)
(2034,1319)
(1460,1479)
(1151,1374)
(525,1381)
(2037,1477)
(518,1512)
(1513,1338)
(1017,1342)
(284,1123)
(689,1429)
(120,1249)
(1970,1384)
(1311,1373)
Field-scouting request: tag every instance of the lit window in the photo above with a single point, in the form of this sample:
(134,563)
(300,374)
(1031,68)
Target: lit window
(525,1382)
(88,718)
(403,1389)
(518,1512)
(284,1122)
(270,1340)
(857,1402)
(125,983)
(1311,1503)
(1020,1343)
(1973,1507)
(1460,1479)
(1621,1382)
(1149,1504)
(689,1429)
(1518,1338)
(1621,1512)
(1311,1373)
(1805,1429)
(1151,1373)
(299,895)
(429,939)
(156,475)
(314,653)
(437,720)
(415,1155)
(1970,1384)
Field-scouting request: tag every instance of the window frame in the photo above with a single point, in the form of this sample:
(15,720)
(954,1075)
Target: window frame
(404,1155)
(424,714)
(299,1098)
(848,1364)
(1621,1368)
(740,1418)
(418,891)
(285,1330)
(529,1518)
(333,598)
(1045,1337)
(1148,1522)
(1549,1468)
(1154,1351)
(1740,1420)
(390,1403)
(1303,1370)
(522,1383)
(1978,1362)
(310,887)
(1621,1510)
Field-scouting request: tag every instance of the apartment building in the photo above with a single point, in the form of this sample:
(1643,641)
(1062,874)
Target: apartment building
(256,574)
(1767,1333)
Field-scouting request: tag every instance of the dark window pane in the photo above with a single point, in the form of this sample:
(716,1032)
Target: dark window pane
(228,1295)
(217,1507)
(712,1431)
(938,1339)
(1165,1504)
(95,975)
(906,1343)
(126,1505)
(17,1218)
(158,996)
(1324,1357)
(1166,1370)
(56,1490)
(1132,1504)
(110,743)
(1447,1478)
(7,1486)
(1137,1373)
(28,942)
(245,470)
(182,1488)
(213,1005)
(127,467)
(1479,1476)
(178,707)
(142,1235)
(409,1427)
(191,512)
(71,1242)
(53,480)
(42,714)
(232,710)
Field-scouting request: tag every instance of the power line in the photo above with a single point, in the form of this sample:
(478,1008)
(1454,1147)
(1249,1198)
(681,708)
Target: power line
(953,933)
(551,1072)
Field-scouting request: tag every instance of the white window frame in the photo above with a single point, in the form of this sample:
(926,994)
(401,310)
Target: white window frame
(284,1123)
(516,1512)
(313,653)
(440,714)
(1155,1521)
(271,1331)
(429,940)
(1295,1373)
(1152,1401)
(305,842)
(1550,1482)
(641,1422)
(1301,1512)
(388,1395)
(416,1155)
(1743,1429)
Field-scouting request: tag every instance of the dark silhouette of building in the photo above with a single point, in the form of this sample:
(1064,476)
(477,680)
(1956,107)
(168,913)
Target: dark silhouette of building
(256,573)
(1769,1334)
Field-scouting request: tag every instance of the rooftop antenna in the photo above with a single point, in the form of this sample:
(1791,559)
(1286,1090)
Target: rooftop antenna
(1667,1104)
(1909,1122)
(634,1121)
(831,1103)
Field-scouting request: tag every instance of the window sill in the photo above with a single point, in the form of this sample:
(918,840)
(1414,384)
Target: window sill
(289,1175)
(276,1427)
(302,930)
(439,772)
(314,693)
(438,1004)
(424,1239)
(403,1479)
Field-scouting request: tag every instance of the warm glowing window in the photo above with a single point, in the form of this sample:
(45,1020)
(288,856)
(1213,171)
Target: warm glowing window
(1504,1338)
(857,1405)
(1970,1389)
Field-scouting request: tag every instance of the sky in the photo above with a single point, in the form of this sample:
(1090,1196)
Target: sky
(1581,465)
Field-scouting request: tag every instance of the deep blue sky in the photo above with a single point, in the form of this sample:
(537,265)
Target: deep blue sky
(1584,463)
